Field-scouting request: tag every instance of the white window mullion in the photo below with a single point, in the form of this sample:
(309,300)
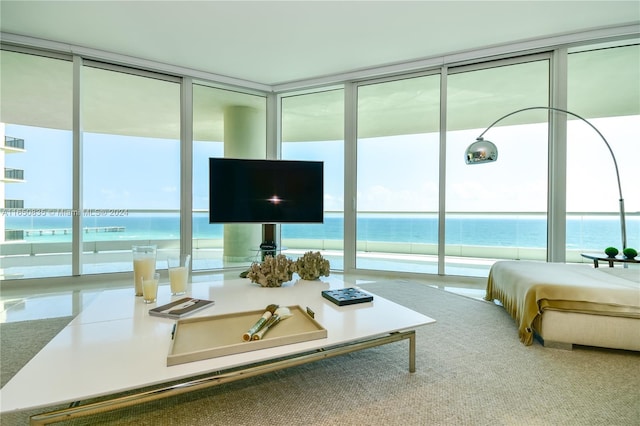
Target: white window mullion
(76,219)
(186,166)
(557,190)
(442,180)
(350,173)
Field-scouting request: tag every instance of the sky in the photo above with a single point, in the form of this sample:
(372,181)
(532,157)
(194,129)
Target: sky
(394,173)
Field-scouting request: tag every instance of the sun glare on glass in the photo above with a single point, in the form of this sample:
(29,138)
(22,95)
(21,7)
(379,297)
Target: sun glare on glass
(275,199)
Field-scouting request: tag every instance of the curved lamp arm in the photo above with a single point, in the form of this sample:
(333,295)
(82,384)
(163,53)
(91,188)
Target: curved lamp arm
(484,145)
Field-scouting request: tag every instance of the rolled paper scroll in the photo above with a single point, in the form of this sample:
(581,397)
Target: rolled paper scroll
(279,315)
(269,310)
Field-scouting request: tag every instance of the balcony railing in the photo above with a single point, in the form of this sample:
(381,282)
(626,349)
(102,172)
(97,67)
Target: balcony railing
(14,174)
(471,239)
(13,142)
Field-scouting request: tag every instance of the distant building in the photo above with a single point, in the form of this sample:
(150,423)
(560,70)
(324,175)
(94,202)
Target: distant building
(10,145)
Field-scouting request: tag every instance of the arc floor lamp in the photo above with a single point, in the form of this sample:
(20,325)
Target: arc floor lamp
(485,151)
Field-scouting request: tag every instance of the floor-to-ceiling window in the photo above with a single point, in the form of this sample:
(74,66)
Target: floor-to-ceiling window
(225,124)
(493,211)
(397,174)
(130,165)
(36,189)
(604,88)
(496,210)
(312,130)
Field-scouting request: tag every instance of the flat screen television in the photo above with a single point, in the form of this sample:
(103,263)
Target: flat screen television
(265,191)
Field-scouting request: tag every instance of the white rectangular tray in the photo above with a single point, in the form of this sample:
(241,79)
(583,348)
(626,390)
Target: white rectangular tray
(195,339)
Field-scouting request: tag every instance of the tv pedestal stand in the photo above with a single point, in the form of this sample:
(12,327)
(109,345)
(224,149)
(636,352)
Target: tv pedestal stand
(268,246)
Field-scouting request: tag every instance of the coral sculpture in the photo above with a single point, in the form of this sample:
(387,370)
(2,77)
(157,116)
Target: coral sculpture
(272,272)
(312,266)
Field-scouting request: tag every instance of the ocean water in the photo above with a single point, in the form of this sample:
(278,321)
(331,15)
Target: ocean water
(593,233)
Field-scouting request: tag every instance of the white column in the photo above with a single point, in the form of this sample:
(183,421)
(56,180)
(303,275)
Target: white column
(244,137)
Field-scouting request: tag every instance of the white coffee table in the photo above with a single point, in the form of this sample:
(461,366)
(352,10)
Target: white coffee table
(114,345)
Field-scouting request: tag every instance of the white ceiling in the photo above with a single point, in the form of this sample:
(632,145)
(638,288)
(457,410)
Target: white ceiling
(271,42)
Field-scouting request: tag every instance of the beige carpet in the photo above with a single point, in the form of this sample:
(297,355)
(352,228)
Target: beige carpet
(471,370)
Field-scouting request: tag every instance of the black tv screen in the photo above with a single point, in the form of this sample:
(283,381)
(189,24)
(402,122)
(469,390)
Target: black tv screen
(265,191)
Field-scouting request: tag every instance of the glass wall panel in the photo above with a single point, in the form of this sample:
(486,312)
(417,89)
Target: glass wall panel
(604,88)
(35,189)
(225,124)
(131,167)
(397,175)
(313,129)
(496,210)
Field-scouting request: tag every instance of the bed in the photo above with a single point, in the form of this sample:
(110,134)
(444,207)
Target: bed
(569,304)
